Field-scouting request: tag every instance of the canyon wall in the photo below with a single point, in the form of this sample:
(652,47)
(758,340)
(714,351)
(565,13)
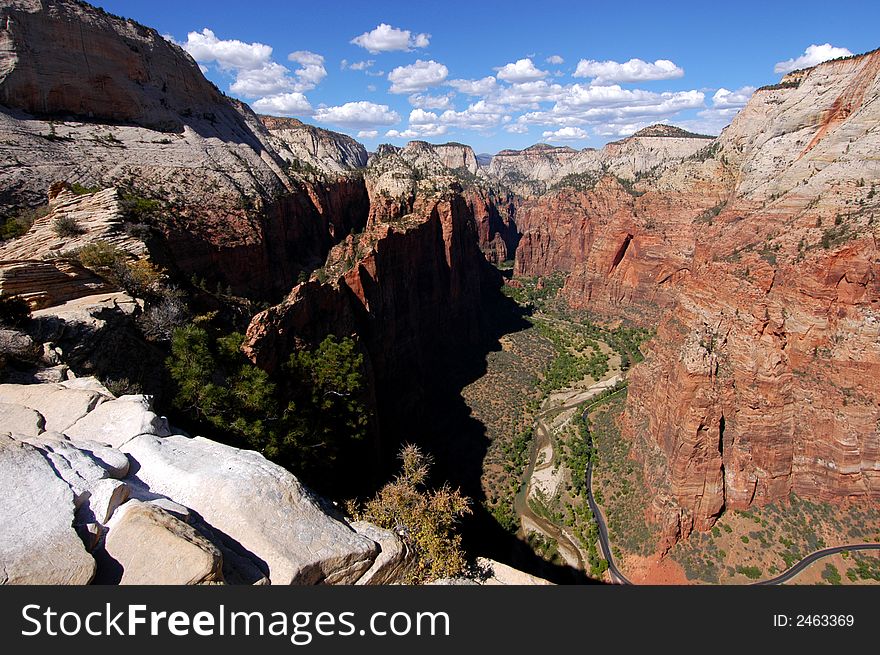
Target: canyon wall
(410,288)
(299,144)
(542,167)
(756,259)
(99,101)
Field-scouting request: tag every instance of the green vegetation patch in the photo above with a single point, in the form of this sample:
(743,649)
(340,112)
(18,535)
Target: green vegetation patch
(303,421)
(619,481)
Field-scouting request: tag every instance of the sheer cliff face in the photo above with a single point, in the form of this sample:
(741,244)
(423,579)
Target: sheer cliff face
(100,101)
(625,249)
(757,259)
(60,58)
(765,375)
(410,288)
(298,143)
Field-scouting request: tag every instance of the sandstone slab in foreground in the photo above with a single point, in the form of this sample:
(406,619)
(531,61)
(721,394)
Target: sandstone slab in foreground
(38,544)
(258,503)
(150,546)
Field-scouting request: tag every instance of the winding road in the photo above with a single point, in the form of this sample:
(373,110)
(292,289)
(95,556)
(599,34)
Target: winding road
(618,577)
(809,559)
(567,541)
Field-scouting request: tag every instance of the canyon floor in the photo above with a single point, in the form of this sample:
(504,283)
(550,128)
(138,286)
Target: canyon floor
(530,399)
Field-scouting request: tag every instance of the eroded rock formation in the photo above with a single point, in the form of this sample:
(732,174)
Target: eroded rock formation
(97,486)
(757,257)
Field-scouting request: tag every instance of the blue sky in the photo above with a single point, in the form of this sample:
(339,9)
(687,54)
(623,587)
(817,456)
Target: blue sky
(504,74)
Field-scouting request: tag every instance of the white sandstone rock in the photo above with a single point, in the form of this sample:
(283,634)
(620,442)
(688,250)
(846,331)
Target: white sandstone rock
(393,560)
(257,503)
(117,421)
(20,420)
(38,544)
(105,496)
(153,547)
(113,461)
(60,406)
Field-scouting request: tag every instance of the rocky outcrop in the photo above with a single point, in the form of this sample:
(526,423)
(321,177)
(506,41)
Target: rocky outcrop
(426,159)
(41,266)
(542,167)
(410,287)
(150,546)
(457,156)
(90,335)
(45,283)
(756,258)
(118,421)
(95,216)
(394,560)
(498,573)
(258,503)
(301,144)
(530,170)
(80,487)
(38,544)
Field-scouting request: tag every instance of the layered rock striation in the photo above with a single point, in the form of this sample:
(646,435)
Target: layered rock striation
(98,488)
(756,259)
(542,167)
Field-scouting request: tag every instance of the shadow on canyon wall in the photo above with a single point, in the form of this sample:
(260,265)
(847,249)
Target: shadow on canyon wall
(458,443)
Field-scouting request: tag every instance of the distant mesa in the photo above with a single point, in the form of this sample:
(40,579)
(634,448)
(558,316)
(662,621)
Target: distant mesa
(669,131)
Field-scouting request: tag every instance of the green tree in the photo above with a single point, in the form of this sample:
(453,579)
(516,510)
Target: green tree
(831,574)
(218,385)
(302,422)
(328,409)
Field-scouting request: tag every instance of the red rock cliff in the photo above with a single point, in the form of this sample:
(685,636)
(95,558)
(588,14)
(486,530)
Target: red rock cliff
(410,287)
(757,258)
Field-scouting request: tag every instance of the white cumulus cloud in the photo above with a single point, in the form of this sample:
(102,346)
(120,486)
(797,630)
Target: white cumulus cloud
(625,129)
(634,70)
(368,134)
(566,134)
(417,77)
(284,104)
(528,94)
(737,98)
(426,101)
(311,70)
(269,79)
(555,59)
(256,74)
(421,124)
(479,87)
(358,115)
(522,70)
(388,39)
(480,116)
(229,54)
(814,54)
(612,108)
